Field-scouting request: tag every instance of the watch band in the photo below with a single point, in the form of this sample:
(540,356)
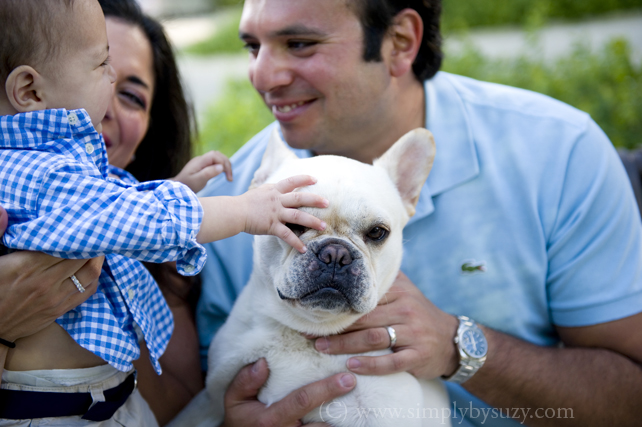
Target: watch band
(468,365)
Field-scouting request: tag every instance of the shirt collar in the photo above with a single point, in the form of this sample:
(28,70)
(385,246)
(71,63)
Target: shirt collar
(37,129)
(456,158)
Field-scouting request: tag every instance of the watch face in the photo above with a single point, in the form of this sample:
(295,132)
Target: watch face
(474,343)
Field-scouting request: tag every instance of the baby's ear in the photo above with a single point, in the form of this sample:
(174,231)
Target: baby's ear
(24,88)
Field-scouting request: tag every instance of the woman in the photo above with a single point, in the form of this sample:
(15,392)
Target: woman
(148,131)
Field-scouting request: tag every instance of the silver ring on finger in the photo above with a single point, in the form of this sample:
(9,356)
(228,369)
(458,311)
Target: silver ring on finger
(80,288)
(393,336)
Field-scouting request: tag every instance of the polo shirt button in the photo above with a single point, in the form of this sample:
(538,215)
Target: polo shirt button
(189,269)
(89,148)
(131,294)
(73,119)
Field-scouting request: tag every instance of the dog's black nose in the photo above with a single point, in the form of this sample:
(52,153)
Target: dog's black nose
(334,253)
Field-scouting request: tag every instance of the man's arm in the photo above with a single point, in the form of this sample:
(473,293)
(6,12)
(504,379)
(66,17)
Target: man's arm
(595,380)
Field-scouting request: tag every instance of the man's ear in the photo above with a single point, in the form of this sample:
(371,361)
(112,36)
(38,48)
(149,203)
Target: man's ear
(24,87)
(405,34)
(275,154)
(408,163)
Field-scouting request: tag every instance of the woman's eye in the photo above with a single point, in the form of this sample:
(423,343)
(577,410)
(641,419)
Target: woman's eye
(377,234)
(135,99)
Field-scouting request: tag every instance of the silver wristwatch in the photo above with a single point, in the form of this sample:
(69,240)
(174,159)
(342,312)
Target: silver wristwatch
(472,347)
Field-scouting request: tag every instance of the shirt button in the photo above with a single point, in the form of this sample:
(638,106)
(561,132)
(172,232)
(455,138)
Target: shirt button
(131,294)
(73,119)
(189,269)
(89,148)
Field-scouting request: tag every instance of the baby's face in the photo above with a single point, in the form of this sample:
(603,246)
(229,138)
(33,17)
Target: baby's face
(80,75)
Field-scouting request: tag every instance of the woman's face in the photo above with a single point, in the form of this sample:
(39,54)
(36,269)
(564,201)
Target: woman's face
(127,118)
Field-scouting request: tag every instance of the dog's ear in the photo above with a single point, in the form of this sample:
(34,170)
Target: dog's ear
(408,162)
(275,154)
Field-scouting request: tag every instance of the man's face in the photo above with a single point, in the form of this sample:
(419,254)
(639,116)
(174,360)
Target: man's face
(306,62)
(80,75)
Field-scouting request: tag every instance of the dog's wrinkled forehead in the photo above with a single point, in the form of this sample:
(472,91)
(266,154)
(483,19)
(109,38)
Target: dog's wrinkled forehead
(354,189)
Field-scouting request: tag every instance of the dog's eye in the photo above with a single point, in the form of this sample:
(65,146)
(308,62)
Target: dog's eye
(377,234)
(297,229)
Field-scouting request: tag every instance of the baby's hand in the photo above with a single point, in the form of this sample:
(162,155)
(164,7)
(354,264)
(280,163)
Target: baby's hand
(201,169)
(271,206)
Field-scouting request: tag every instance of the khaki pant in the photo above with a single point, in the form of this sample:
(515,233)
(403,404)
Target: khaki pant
(135,412)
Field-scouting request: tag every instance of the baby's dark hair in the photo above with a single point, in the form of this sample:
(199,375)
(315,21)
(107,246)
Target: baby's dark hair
(31,32)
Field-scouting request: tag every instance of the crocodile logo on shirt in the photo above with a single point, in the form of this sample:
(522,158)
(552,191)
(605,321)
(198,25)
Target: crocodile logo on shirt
(472,266)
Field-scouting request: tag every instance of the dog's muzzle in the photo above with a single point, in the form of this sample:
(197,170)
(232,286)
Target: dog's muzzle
(330,276)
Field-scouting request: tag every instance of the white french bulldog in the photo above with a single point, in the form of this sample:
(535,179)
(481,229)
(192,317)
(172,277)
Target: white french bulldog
(347,269)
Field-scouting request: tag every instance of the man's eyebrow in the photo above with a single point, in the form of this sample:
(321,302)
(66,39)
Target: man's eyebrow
(293,30)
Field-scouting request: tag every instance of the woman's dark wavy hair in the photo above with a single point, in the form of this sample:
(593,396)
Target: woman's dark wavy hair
(376,18)
(166,146)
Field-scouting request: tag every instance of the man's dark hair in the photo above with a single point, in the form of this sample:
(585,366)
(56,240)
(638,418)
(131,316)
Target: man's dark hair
(166,146)
(30,32)
(376,18)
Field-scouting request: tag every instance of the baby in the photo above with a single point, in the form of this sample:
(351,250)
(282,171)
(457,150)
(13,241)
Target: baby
(60,199)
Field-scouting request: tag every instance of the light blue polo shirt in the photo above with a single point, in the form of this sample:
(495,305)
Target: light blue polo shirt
(526,221)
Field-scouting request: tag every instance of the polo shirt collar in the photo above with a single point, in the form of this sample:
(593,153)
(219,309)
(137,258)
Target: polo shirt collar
(456,160)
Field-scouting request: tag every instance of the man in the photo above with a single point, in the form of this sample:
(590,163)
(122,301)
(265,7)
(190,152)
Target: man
(527,223)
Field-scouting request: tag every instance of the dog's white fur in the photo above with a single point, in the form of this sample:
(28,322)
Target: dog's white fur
(276,306)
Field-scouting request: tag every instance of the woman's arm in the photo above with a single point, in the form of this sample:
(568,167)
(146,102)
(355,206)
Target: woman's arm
(35,290)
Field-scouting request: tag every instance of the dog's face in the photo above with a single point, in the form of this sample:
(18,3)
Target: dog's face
(352,263)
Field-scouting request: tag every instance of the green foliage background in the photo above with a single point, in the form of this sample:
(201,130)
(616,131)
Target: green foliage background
(606,84)
(233,119)
(465,14)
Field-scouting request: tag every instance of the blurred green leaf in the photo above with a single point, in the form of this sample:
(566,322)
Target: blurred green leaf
(224,40)
(457,16)
(460,15)
(233,119)
(606,84)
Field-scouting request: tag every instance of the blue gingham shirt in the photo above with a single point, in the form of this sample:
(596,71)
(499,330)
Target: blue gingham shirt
(55,186)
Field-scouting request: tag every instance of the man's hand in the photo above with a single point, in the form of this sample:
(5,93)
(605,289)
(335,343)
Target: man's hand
(242,407)
(425,335)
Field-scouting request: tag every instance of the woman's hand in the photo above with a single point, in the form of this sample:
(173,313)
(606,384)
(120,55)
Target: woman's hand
(242,407)
(201,169)
(36,289)
(425,336)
